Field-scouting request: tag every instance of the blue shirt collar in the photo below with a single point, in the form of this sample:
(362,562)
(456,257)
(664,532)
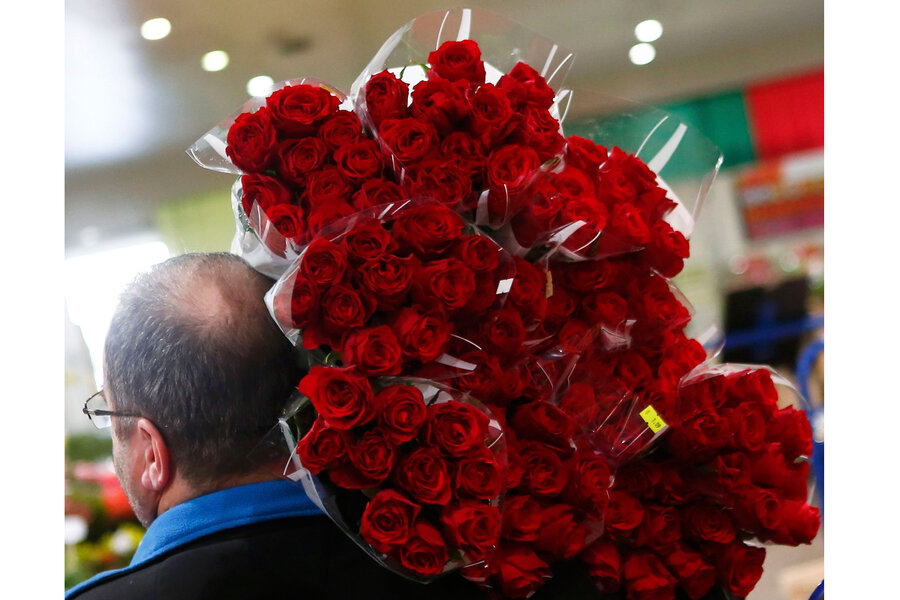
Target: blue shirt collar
(212,513)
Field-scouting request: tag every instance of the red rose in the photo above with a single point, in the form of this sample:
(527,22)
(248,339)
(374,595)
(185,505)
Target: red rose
(604,308)
(455,428)
(561,535)
(585,276)
(376,192)
(327,186)
(673,489)
(739,567)
(699,438)
(327,214)
(510,170)
(373,456)
(373,351)
(792,429)
(756,507)
(322,447)
(584,154)
(540,130)
(386,97)
(754,385)
(367,240)
(541,213)
(323,263)
(748,426)
(528,293)
(479,252)
(478,476)
(632,370)
(604,565)
(732,469)
(522,518)
(519,570)
(589,481)
(666,249)
(527,86)
(359,161)
(341,129)
(770,469)
(623,513)
(707,523)
(579,403)
(441,102)
(304,302)
(438,180)
(343,399)
(660,527)
(799,524)
(387,520)
(695,575)
(252,141)
(543,422)
(401,412)
(467,153)
(388,279)
(409,140)
(287,220)
(560,307)
(429,228)
(646,577)
(457,60)
(505,332)
(447,284)
(592,217)
(297,158)
(492,118)
(342,309)
(422,334)
(574,184)
(423,473)
(297,110)
(638,479)
(424,552)
(473,527)
(544,474)
(265,191)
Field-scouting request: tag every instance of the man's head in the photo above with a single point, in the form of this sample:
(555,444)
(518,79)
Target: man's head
(192,349)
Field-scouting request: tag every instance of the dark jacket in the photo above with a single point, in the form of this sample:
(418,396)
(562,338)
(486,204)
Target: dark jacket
(292,557)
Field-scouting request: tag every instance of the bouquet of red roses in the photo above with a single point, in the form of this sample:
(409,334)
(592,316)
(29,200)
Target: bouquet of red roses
(500,378)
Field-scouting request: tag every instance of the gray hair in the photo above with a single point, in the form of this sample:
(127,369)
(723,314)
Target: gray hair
(192,347)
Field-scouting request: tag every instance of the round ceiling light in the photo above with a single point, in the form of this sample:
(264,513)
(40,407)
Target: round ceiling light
(155,29)
(260,85)
(648,31)
(214,61)
(641,54)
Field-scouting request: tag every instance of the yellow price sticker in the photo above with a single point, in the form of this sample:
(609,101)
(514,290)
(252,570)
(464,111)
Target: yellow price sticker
(652,418)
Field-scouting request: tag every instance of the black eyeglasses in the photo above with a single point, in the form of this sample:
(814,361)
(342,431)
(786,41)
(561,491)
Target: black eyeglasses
(98,411)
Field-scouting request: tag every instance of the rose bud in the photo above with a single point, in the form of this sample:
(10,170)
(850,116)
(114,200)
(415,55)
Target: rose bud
(252,141)
(321,447)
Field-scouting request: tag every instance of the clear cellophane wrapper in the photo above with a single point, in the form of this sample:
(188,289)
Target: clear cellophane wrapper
(391,468)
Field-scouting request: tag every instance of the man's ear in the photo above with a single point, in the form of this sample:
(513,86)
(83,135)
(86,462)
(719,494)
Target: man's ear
(156,465)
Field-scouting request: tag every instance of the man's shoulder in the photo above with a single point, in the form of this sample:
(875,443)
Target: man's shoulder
(308,556)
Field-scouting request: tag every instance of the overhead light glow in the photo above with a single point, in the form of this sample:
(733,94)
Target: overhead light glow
(215,60)
(156,29)
(259,85)
(641,54)
(648,31)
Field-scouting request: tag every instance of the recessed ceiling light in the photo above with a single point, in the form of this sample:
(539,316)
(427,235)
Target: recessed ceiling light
(259,85)
(156,29)
(215,60)
(648,31)
(641,54)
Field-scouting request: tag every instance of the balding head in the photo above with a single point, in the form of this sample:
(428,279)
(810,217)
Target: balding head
(192,348)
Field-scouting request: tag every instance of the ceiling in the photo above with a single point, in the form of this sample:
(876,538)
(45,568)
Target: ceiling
(133,106)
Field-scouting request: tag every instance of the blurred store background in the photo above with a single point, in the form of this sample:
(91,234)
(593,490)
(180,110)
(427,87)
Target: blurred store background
(145,79)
